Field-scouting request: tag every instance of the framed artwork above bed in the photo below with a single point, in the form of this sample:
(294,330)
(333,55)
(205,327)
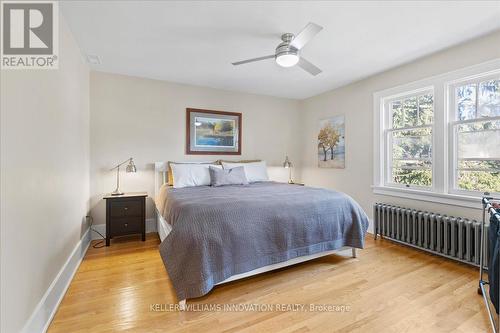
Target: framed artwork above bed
(210,132)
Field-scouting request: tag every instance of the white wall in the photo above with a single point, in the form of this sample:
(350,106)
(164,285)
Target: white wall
(146,119)
(45,177)
(356,102)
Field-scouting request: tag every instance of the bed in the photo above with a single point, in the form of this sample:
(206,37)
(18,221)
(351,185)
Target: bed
(211,236)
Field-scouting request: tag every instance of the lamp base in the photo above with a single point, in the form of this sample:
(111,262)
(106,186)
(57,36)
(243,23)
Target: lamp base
(117,193)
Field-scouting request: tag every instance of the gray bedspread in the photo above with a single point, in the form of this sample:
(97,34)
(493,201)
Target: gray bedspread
(222,231)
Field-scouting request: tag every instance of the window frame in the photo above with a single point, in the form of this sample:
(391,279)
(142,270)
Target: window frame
(443,144)
(388,129)
(454,121)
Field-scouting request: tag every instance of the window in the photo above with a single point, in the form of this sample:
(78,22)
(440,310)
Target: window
(438,139)
(409,137)
(476,134)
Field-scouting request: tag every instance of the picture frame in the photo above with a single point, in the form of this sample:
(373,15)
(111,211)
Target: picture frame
(210,132)
(331,142)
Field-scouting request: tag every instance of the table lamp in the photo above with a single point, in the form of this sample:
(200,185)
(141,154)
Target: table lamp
(130,168)
(288,165)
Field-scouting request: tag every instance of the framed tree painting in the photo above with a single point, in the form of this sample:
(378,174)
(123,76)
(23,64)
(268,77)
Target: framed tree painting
(331,143)
(210,132)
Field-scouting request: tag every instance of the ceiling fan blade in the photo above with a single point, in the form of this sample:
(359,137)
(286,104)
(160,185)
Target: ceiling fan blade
(305,35)
(308,67)
(252,60)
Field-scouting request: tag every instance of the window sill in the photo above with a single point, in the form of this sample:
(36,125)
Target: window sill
(442,198)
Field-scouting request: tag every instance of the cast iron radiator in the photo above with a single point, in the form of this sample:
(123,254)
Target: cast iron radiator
(452,237)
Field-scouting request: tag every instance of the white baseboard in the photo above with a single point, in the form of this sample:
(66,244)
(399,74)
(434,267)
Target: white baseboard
(371,227)
(45,310)
(150,227)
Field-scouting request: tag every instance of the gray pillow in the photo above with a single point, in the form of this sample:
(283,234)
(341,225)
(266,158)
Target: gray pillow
(234,176)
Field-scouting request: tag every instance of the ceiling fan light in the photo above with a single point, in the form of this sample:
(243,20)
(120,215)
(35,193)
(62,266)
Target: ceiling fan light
(287,60)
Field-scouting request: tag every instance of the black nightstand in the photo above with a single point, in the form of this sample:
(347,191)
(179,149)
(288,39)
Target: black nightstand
(125,215)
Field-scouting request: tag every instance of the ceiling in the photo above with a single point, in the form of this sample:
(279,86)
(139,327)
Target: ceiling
(195,42)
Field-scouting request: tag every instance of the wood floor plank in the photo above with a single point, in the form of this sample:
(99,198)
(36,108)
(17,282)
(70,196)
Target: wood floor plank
(388,288)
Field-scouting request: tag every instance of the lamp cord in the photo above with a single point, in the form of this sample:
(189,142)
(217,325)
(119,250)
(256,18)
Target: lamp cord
(100,243)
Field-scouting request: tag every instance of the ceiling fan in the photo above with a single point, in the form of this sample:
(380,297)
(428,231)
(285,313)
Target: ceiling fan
(287,53)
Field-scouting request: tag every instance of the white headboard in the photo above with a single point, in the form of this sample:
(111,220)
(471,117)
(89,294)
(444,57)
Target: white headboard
(161,169)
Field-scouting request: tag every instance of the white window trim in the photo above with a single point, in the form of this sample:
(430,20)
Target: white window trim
(428,196)
(451,112)
(442,187)
(387,128)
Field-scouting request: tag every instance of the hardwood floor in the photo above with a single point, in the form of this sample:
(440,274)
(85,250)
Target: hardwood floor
(387,288)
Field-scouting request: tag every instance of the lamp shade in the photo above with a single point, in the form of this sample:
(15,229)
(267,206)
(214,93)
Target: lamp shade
(287,59)
(131,166)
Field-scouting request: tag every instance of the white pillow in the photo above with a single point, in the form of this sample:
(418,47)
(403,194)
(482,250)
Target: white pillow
(187,175)
(255,171)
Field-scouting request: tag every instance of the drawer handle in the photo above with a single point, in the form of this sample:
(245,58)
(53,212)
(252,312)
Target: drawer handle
(126,208)
(126,224)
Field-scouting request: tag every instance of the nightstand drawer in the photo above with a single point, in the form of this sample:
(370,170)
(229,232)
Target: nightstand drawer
(126,225)
(125,215)
(126,208)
